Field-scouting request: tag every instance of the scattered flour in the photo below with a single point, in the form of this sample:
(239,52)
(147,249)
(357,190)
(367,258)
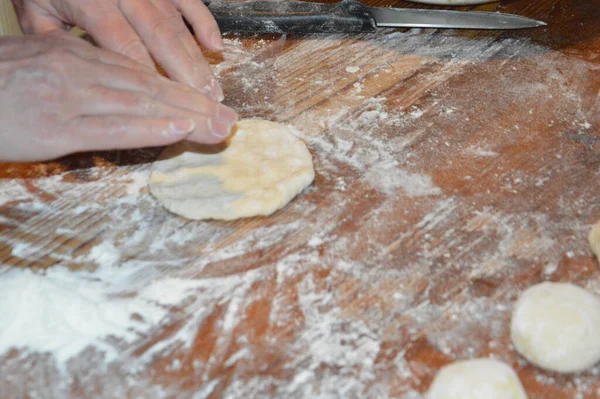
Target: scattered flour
(343,314)
(388,178)
(139,180)
(13,190)
(105,254)
(480,152)
(63,313)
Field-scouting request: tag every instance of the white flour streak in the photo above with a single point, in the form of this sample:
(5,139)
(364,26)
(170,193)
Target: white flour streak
(354,346)
(105,254)
(63,313)
(344,291)
(22,250)
(139,180)
(13,190)
(480,152)
(388,179)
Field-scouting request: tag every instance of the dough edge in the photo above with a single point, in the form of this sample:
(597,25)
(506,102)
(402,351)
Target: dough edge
(287,189)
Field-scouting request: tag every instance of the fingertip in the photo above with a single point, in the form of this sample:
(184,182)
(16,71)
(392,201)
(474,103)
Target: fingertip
(219,128)
(216,41)
(226,114)
(203,138)
(203,22)
(216,90)
(214,132)
(181,128)
(211,88)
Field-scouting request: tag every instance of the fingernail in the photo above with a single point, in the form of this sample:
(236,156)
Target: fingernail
(206,90)
(213,90)
(216,90)
(219,129)
(226,114)
(217,41)
(182,127)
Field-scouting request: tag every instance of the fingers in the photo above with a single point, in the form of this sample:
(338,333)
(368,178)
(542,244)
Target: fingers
(203,22)
(33,19)
(32,45)
(162,33)
(91,53)
(15,47)
(187,40)
(112,31)
(155,86)
(169,11)
(124,131)
(213,121)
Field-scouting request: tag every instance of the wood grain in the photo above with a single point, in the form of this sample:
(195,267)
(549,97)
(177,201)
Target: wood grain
(454,170)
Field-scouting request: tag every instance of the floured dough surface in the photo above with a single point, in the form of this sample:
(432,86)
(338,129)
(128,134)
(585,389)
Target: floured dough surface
(594,239)
(477,379)
(556,326)
(257,171)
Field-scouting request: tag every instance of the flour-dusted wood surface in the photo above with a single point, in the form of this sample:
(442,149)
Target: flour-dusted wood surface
(454,169)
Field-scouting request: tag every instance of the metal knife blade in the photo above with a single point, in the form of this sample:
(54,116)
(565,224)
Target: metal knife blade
(417,18)
(348,16)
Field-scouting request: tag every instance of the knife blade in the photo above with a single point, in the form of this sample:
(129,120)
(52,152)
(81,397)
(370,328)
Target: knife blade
(349,16)
(416,18)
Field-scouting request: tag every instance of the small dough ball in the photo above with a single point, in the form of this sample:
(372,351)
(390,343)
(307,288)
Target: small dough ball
(477,379)
(556,326)
(594,239)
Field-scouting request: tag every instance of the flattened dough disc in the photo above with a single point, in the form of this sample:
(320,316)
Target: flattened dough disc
(257,171)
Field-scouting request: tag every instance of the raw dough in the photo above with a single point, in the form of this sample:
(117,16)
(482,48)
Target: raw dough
(257,171)
(477,379)
(594,239)
(556,326)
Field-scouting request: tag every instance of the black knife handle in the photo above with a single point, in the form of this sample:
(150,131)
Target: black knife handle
(347,16)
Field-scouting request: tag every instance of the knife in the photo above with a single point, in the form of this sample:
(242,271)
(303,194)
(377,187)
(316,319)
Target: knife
(349,16)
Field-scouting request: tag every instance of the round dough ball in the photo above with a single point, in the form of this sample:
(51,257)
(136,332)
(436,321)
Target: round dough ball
(477,379)
(594,239)
(556,326)
(257,171)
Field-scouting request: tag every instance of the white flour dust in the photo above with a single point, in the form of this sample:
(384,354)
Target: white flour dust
(64,312)
(13,190)
(95,271)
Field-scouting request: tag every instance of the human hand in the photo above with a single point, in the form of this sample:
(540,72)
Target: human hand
(59,95)
(137,29)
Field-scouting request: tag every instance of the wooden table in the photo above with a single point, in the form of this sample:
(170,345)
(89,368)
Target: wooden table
(453,170)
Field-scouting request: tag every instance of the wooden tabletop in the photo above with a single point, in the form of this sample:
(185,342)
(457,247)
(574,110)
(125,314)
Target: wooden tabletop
(453,170)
